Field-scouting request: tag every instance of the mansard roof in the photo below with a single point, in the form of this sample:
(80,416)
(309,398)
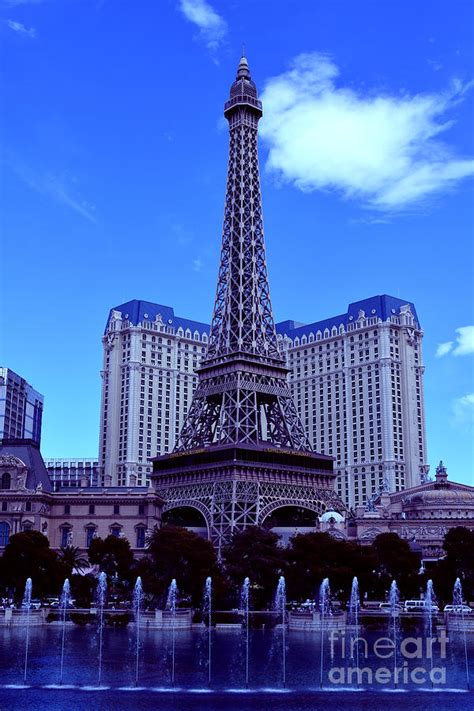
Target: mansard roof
(28,452)
(137,311)
(382,307)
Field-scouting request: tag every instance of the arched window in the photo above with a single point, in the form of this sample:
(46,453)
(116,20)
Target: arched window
(6,481)
(4,533)
(66,536)
(141,532)
(90,534)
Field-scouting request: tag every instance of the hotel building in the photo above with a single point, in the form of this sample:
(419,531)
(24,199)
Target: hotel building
(356,379)
(21,407)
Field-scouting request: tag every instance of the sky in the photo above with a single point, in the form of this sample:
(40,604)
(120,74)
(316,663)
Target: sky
(113,177)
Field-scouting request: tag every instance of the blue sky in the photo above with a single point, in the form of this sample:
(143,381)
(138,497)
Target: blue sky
(114,175)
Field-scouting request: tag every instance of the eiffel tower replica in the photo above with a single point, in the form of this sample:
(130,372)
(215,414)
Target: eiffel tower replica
(243,452)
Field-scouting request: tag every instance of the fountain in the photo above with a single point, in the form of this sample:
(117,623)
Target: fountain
(430,601)
(100,596)
(459,602)
(394,598)
(280,606)
(244,602)
(63,606)
(208,612)
(137,610)
(26,606)
(354,605)
(324,592)
(171,605)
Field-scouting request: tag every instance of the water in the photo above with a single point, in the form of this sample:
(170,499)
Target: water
(26,606)
(354,605)
(245,605)
(302,672)
(324,607)
(394,599)
(171,605)
(64,604)
(137,610)
(100,596)
(280,607)
(458,601)
(208,612)
(428,614)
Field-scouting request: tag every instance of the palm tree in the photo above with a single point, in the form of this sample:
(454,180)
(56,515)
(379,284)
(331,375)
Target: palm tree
(73,559)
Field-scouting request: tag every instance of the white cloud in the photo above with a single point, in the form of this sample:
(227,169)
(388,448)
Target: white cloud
(21,29)
(382,149)
(443,348)
(464,343)
(212,27)
(197,264)
(463,410)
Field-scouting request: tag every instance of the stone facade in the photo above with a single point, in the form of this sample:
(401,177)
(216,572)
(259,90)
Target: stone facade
(422,514)
(69,516)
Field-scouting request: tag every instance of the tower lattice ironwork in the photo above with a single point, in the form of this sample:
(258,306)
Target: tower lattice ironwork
(242,452)
(242,395)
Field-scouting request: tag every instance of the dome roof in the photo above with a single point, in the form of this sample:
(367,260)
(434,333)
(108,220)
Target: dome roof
(442,496)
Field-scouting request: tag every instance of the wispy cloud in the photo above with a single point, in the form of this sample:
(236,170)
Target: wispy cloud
(197,264)
(58,186)
(443,348)
(212,27)
(378,148)
(463,411)
(464,344)
(21,29)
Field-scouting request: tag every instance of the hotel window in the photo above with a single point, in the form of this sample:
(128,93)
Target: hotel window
(90,532)
(65,537)
(141,531)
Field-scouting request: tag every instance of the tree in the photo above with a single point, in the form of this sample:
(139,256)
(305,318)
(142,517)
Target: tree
(395,560)
(254,553)
(28,555)
(113,556)
(458,563)
(311,557)
(73,559)
(176,552)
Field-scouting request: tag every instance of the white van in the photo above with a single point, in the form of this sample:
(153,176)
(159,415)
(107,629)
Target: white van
(420,606)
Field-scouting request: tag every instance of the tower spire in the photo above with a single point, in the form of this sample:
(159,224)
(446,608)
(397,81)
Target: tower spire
(242,394)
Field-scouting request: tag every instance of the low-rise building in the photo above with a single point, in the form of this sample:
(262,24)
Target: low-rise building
(69,516)
(422,514)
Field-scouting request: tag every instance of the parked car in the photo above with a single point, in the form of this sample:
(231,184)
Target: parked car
(420,606)
(387,607)
(458,610)
(34,605)
(53,602)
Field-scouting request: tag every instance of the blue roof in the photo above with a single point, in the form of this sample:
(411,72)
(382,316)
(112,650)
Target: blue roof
(382,306)
(137,311)
(28,451)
